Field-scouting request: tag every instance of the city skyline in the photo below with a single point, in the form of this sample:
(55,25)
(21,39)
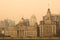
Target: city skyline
(16,9)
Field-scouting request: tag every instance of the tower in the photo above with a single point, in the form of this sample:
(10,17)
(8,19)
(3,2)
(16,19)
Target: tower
(47,26)
(47,17)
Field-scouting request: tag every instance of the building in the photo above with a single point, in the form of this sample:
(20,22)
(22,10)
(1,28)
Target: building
(26,31)
(48,27)
(10,31)
(7,23)
(33,20)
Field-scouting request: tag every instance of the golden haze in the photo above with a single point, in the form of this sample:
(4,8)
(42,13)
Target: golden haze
(15,9)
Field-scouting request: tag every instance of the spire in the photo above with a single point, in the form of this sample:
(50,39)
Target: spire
(48,4)
(49,7)
(49,11)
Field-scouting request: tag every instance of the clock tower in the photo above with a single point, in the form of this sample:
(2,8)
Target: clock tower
(47,18)
(48,26)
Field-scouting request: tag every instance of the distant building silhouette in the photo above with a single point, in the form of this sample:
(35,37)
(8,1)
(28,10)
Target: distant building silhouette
(29,28)
(49,25)
(33,20)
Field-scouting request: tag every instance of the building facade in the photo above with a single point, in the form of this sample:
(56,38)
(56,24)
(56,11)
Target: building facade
(49,26)
(26,31)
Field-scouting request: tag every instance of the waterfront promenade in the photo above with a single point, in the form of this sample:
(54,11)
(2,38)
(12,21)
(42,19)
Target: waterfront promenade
(7,38)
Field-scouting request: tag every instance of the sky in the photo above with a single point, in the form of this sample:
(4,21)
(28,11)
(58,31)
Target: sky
(16,9)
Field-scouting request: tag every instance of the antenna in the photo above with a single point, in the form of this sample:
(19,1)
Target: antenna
(48,4)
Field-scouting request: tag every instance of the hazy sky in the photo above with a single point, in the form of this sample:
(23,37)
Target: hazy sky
(15,9)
